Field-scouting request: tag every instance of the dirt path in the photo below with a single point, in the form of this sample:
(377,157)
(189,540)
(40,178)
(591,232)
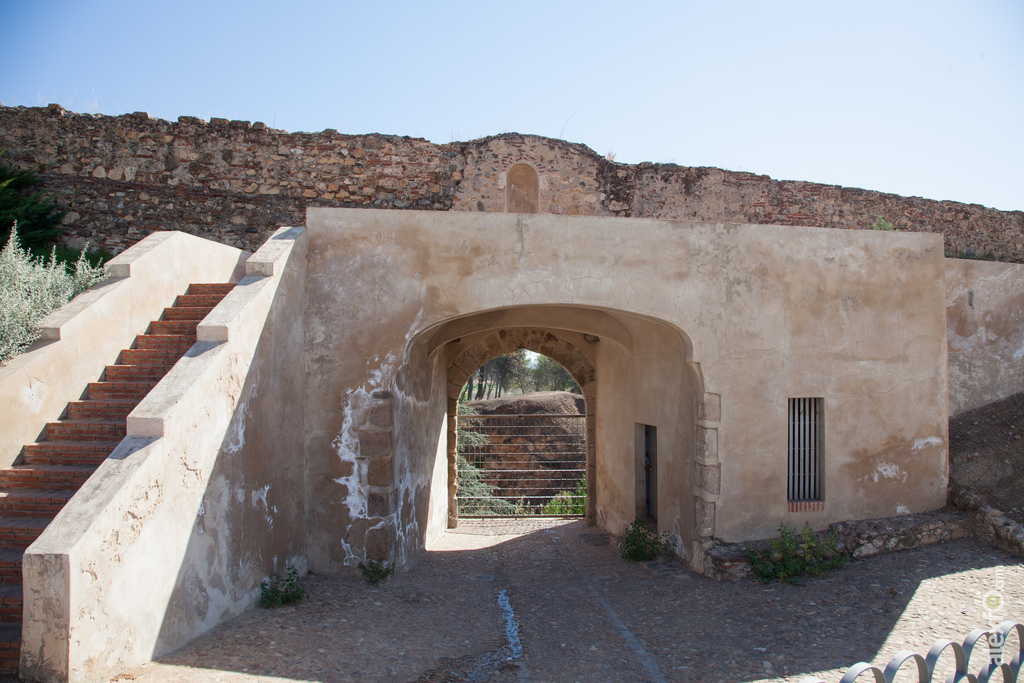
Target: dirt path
(580,613)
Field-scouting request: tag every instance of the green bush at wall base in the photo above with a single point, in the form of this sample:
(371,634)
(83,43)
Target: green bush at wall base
(793,555)
(280,590)
(640,544)
(375,572)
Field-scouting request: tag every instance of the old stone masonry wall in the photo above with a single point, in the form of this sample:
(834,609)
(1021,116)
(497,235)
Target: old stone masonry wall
(125,176)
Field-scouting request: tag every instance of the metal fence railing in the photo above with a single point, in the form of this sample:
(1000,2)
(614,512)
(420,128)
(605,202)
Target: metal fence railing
(519,465)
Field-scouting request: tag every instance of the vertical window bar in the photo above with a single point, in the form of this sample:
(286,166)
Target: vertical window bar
(805,447)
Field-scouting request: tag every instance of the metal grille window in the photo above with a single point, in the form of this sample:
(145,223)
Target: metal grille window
(805,448)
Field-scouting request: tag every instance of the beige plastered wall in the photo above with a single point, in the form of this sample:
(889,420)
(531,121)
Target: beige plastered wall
(985,326)
(203,499)
(84,336)
(751,315)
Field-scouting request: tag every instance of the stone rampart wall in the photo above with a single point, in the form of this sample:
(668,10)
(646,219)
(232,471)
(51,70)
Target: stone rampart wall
(122,177)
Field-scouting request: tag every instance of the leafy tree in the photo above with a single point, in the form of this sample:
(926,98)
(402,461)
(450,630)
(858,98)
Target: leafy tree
(550,376)
(37,217)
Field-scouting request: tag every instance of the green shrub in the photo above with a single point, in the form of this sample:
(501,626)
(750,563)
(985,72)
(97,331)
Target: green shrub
(38,217)
(882,224)
(793,555)
(569,502)
(375,572)
(280,590)
(31,289)
(640,544)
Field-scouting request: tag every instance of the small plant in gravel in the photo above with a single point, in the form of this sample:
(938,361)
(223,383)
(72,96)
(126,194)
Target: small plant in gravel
(280,590)
(375,571)
(640,544)
(793,555)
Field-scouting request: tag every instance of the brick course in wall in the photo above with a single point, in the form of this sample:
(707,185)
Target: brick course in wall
(235,182)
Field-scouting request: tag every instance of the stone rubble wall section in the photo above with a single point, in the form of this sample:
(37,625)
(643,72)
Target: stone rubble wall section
(121,177)
(231,181)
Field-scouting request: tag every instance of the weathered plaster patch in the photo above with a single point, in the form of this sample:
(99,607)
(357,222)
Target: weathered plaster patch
(889,471)
(259,497)
(925,443)
(32,394)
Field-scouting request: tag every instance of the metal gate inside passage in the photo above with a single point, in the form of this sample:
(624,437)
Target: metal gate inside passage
(522,465)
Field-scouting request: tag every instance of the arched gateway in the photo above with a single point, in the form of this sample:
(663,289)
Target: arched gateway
(767,372)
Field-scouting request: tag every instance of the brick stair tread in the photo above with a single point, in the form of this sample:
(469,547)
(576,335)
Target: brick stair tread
(163,342)
(209,301)
(39,523)
(210,288)
(122,384)
(10,633)
(9,591)
(95,406)
(66,445)
(172,327)
(193,314)
(94,425)
(153,357)
(137,370)
(48,470)
(11,555)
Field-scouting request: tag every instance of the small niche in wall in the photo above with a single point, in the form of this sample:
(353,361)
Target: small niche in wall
(522,190)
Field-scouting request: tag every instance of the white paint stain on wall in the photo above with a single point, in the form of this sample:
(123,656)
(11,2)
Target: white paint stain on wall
(259,499)
(925,443)
(889,470)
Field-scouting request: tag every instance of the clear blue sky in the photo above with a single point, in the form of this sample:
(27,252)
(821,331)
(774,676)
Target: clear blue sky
(917,98)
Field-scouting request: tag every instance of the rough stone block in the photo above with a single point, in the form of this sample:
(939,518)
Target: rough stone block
(380,416)
(707,442)
(374,444)
(709,478)
(380,542)
(380,472)
(378,505)
(704,517)
(710,408)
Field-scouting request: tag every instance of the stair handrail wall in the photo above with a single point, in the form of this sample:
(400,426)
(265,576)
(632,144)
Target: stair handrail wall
(85,335)
(160,544)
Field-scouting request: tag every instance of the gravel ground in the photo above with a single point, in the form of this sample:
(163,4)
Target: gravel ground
(582,614)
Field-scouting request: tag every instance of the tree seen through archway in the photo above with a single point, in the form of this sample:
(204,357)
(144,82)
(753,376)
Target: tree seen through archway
(518,372)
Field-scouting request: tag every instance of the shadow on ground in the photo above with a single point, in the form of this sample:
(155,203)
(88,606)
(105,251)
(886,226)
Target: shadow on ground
(584,614)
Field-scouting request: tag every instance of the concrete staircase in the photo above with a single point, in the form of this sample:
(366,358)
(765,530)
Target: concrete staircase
(49,471)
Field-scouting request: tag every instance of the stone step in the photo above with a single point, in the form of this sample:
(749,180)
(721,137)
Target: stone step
(193,313)
(186,328)
(210,288)
(152,356)
(18,533)
(197,301)
(32,503)
(179,342)
(85,430)
(56,477)
(136,373)
(120,390)
(10,602)
(91,409)
(10,647)
(10,567)
(68,452)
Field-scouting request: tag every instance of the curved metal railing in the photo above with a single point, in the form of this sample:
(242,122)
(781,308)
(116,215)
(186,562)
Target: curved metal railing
(995,663)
